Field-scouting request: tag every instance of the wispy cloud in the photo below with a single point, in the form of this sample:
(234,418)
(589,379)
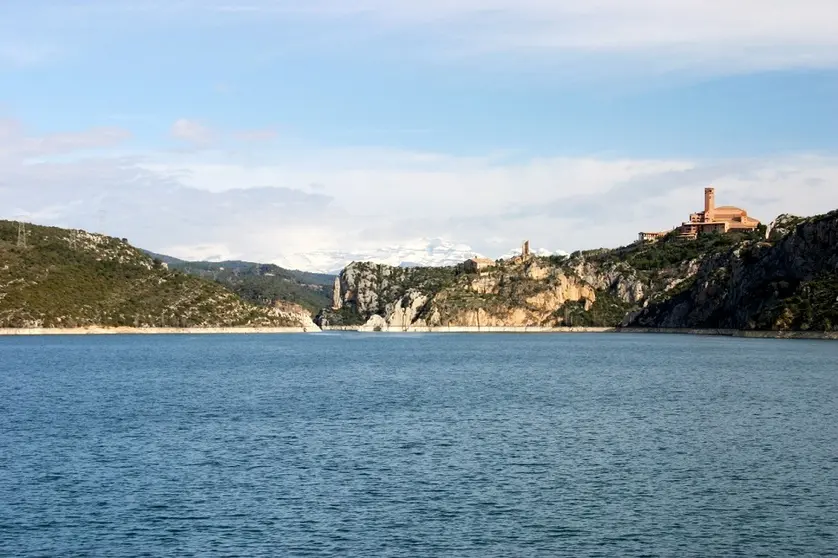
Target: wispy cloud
(16,144)
(713,35)
(747,33)
(202,135)
(193,132)
(255,136)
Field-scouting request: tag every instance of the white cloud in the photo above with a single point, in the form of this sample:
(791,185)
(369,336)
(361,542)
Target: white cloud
(746,34)
(192,132)
(201,135)
(211,204)
(16,144)
(711,35)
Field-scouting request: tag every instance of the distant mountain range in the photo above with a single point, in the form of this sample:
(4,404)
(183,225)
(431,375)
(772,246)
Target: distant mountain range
(434,252)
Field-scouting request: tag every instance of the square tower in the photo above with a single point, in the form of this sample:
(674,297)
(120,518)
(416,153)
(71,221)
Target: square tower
(709,203)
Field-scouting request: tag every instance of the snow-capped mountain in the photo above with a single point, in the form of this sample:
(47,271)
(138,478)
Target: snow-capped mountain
(435,252)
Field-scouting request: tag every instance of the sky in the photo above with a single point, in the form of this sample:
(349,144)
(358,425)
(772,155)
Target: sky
(259,129)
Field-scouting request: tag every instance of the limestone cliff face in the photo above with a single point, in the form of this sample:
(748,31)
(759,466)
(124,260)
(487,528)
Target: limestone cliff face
(782,226)
(296,314)
(783,279)
(520,293)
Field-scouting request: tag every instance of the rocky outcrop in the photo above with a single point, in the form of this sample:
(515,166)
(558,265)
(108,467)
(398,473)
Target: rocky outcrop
(781,226)
(791,284)
(734,281)
(337,301)
(296,314)
(521,293)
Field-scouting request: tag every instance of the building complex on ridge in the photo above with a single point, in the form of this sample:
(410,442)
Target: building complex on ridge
(479,263)
(713,219)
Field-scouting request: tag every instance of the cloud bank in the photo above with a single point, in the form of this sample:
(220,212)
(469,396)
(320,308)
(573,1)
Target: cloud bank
(275,206)
(716,35)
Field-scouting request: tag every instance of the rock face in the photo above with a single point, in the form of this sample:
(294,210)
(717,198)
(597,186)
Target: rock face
(337,303)
(782,226)
(732,281)
(791,284)
(296,314)
(531,292)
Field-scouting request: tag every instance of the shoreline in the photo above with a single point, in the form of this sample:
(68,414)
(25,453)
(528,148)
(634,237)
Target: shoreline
(751,334)
(94,330)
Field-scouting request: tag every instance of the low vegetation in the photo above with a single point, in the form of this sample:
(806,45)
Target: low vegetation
(262,284)
(64,278)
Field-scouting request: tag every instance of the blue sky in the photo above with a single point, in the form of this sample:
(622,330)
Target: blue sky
(370,123)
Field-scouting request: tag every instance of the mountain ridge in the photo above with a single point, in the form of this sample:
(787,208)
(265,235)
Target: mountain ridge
(646,284)
(424,252)
(61,278)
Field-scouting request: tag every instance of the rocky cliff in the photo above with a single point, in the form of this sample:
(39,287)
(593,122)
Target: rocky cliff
(781,278)
(790,283)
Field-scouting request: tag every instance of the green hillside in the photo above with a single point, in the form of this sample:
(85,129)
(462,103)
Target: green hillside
(67,278)
(261,283)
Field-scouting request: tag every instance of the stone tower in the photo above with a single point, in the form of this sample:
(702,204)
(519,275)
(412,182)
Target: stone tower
(709,203)
(525,249)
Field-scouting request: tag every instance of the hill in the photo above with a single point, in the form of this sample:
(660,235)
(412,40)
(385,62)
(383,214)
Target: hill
(261,284)
(71,278)
(784,280)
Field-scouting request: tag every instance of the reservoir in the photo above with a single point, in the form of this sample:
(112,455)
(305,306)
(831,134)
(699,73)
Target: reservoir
(468,445)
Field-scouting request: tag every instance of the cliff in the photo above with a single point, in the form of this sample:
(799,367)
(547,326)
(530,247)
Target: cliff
(781,278)
(58,278)
(789,284)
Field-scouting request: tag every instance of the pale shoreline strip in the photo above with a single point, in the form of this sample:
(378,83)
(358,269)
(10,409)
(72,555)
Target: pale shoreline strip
(153,330)
(755,334)
(828,335)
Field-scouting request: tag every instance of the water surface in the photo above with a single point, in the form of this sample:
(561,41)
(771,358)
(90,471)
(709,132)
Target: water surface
(418,445)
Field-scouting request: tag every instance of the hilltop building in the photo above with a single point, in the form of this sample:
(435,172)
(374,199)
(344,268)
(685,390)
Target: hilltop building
(713,219)
(651,236)
(478,264)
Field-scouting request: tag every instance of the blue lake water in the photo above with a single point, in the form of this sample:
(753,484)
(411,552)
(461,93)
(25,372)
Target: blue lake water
(418,445)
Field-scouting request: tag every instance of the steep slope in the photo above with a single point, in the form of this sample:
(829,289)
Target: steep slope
(65,278)
(735,280)
(790,284)
(261,284)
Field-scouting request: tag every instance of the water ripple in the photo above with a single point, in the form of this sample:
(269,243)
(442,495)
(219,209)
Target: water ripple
(459,445)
